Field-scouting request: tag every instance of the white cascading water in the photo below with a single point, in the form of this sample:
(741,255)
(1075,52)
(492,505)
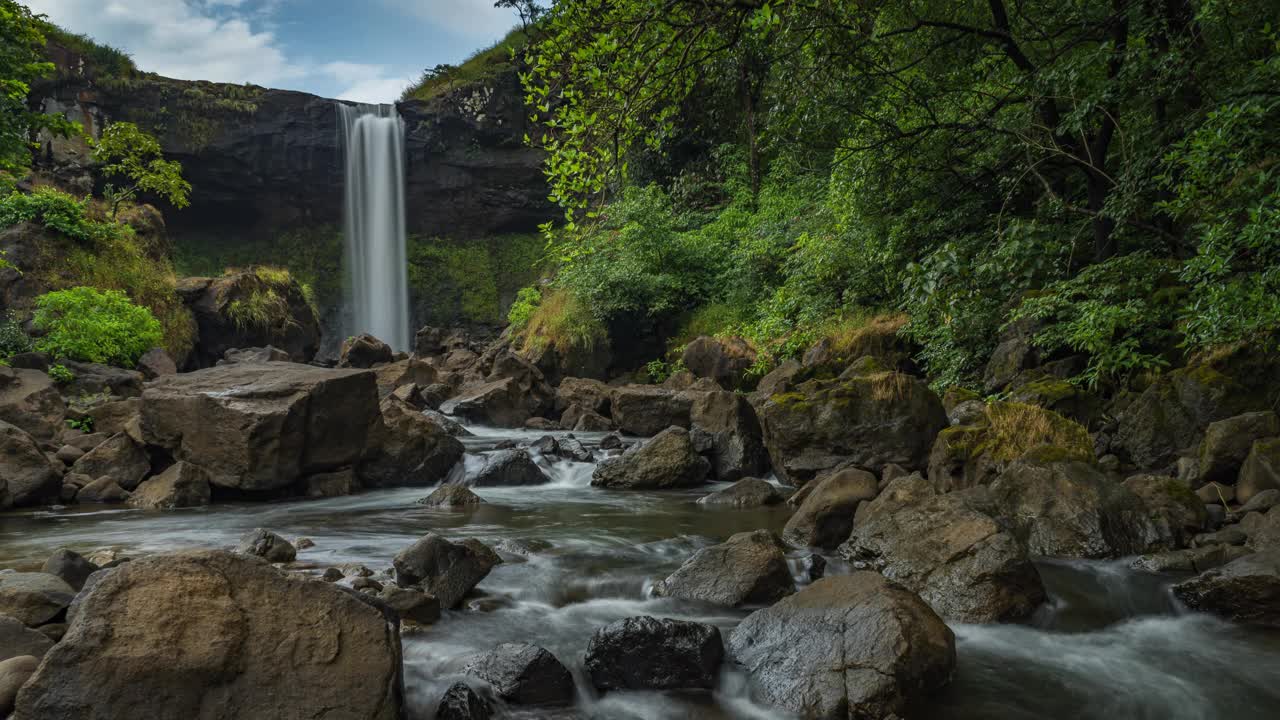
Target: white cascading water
(373,150)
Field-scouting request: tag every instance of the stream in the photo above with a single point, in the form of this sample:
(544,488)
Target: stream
(1111,644)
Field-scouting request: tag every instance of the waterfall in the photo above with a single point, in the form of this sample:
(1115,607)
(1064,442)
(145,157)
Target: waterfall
(372,138)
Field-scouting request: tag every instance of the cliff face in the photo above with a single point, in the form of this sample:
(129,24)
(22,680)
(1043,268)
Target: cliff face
(262,160)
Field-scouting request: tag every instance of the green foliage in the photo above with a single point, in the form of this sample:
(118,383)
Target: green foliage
(128,153)
(83,424)
(105,60)
(561,320)
(91,325)
(522,309)
(55,210)
(61,375)
(470,279)
(482,66)
(13,339)
(22,61)
(659,370)
(266,305)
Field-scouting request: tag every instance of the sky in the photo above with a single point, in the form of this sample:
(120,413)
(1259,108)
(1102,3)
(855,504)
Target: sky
(362,50)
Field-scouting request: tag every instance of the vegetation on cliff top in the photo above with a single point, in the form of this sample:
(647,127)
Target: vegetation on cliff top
(483,65)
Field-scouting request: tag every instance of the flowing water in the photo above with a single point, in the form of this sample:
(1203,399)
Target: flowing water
(1110,645)
(372,139)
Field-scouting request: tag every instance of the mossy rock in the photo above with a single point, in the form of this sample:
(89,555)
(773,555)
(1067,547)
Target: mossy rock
(964,456)
(955,395)
(1062,397)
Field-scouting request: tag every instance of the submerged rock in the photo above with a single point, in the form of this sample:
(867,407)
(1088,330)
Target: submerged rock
(524,674)
(747,569)
(218,636)
(645,653)
(445,569)
(451,496)
(746,493)
(267,545)
(460,702)
(853,646)
(667,461)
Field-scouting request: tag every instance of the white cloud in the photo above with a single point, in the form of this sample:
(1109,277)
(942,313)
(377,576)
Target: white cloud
(196,40)
(366,83)
(471,18)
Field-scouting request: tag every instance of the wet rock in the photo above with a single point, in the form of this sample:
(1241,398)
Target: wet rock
(451,496)
(825,517)
(542,424)
(304,543)
(646,410)
(182,485)
(735,444)
(14,673)
(17,640)
(364,351)
(853,646)
(869,420)
(448,424)
(746,493)
(407,449)
(948,548)
(1261,470)
(156,363)
(29,399)
(70,566)
(418,607)
(666,461)
(524,675)
(263,426)
(26,475)
(338,483)
(1227,443)
(444,569)
(612,441)
(645,653)
(104,490)
(1198,559)
(219,636)
(1068,508)
(460,702)
(570,448)
(747,569)
(267,545)
(509,467)
(724,360)
(1261,502)
(34,598)
(331,575)
(1175,513)
(1246,590)
(255,355)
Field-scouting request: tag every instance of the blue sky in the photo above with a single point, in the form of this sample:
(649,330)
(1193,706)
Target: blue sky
(365,50)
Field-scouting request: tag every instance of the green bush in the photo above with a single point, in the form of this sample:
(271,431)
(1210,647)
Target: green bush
(61,375)
(91,325)
(13,339)
(54,209)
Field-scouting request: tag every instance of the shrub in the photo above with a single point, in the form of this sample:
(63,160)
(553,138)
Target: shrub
(522,309)
(54,209)
(13,339)
(61,375)
(91,325)
(560,319)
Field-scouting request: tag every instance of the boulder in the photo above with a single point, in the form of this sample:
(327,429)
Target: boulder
(96,379)
(120,458)
(103,490)
(1068,508)
(451,496)
(26,475)
(735,445)
(825,518)
(666,461)
(292,326)
(778,380)
(645,653)
(255,355)
(402,373)
(746,493)
(156,363)
(118,416)
(1174,512)
(1260,471)
(869,420)
(590,395)
(747,569)
(444,569)
(267,545)
(1246,590)
(17,640)
(29,399)
(1228,442)
(460,702)
(524,675)
(1067,399)
(69,454)
(1261,502)
(1014,352)
(579,420)
(262,427)
(509,467)
(724,360)
(646,410)
(214,635)
(1198,559)
(34,598)
(364,351)
(14,673)
(510,392)
(1263,530)
(331,484)
(949,549)
(70,566)
(852,646)
(449,425)
(411,605)
(182,485)
(407,449)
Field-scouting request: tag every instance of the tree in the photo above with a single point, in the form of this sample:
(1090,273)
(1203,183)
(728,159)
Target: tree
(528,10)
(22,61)
(127,152)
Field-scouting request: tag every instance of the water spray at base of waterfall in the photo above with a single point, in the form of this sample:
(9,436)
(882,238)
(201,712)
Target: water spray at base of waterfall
(372,141)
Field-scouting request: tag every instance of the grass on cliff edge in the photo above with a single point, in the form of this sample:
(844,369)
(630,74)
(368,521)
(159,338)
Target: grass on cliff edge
(481,65)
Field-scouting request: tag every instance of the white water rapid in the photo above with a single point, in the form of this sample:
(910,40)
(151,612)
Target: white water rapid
(378,295)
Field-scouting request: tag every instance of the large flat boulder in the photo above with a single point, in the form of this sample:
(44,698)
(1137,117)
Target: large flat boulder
(214,635)
(852,646)
(868,419)
(260,427)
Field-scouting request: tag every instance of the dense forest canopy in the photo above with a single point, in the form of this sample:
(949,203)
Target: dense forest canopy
(777,169)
